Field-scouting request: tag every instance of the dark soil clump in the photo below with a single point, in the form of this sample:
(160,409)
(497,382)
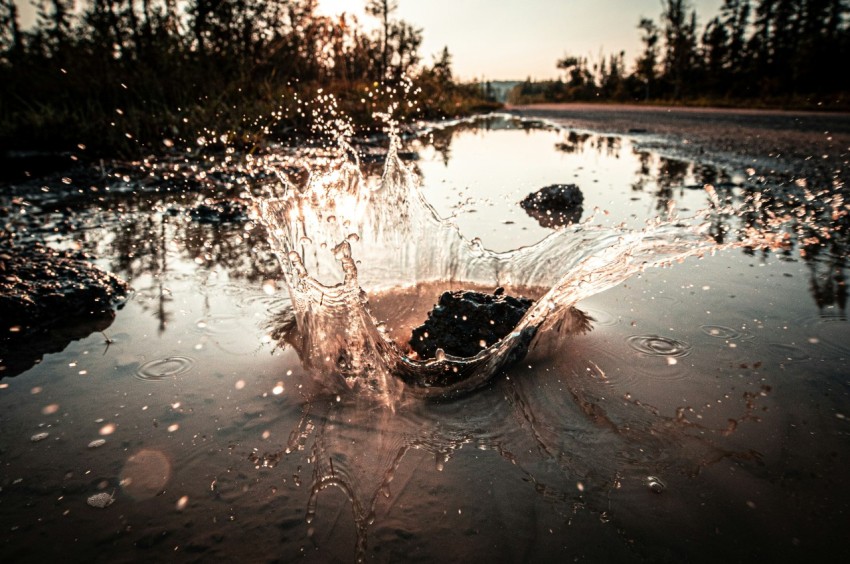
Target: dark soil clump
(42,292)
(464,323)
(556,205)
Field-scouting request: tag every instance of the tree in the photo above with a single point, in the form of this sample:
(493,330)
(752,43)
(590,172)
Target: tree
(646,65)
(11,41)
(443,66)
(382,9)
(404,41)
(680,44)
(715,54)
(610,76)
(735,17)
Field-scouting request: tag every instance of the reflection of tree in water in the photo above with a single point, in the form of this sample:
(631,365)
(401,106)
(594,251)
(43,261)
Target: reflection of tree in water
(721,216)
(608,145)
(574,142)
(138,239)
(825,253)
(671,175)
(441,140)
(710,174)
(815,225)
(644,171)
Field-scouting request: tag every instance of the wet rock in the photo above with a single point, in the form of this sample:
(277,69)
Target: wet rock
(556,205)
(463,323)
(101,500)
(48,298)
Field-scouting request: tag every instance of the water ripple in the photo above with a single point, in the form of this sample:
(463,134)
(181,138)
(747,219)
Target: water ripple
(785,353)
(720,332)
(162,368)
(217,324)
(655,345)
(275,302)
(602,317)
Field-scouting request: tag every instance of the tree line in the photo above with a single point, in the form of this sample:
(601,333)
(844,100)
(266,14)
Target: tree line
(111,74)
(774,52)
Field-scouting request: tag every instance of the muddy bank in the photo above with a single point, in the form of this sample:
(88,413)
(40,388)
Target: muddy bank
(49,298)
(781,145)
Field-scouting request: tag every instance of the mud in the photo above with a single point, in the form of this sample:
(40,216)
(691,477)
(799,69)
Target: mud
(49,298)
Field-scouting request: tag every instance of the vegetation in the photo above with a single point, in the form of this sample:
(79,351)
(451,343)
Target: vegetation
(760,52)
(123,76)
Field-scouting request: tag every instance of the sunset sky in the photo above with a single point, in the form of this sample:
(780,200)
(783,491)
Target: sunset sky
(514,39)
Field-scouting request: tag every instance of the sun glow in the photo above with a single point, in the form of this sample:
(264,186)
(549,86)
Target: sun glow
(337,7)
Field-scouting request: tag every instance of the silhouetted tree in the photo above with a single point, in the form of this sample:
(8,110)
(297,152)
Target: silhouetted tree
(382,9)
(646,67)
(11,41)
(680,42)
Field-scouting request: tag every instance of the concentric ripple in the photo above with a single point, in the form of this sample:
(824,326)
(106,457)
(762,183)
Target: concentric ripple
(786,353)
(720,332)
(163,368)
(656,345)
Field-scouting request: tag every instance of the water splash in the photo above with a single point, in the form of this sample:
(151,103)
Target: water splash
(346,244)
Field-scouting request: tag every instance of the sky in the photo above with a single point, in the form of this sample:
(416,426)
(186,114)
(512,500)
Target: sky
(515,39)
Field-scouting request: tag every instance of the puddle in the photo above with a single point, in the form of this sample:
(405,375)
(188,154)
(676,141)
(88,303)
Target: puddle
(218,418)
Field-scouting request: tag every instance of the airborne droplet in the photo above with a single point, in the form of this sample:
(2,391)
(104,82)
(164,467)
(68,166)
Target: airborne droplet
(655,484)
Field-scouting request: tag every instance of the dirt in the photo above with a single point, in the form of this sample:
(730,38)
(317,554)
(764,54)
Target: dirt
(49,298)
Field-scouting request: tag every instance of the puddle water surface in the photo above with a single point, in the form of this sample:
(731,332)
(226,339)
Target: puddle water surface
(256,398)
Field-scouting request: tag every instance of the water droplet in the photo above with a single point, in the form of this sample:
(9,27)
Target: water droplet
(305,241)
(440,354)
(97,443)
(39,437)
(655,484)
(353,237)
(182,503)
(343,250)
